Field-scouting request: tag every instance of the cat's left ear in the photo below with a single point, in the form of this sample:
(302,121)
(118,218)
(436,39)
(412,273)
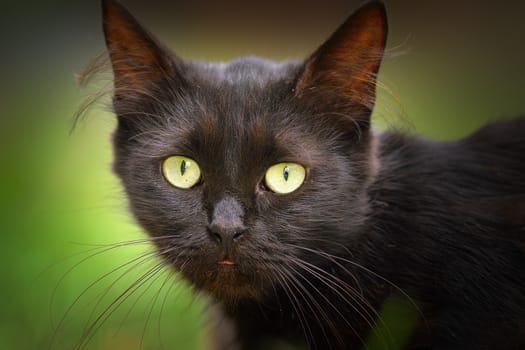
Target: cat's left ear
(137,58)
(341,74)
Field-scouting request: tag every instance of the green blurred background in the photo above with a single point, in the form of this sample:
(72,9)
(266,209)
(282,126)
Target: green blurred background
(452,66)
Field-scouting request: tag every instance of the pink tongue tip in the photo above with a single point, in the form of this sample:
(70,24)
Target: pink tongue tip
(226,261)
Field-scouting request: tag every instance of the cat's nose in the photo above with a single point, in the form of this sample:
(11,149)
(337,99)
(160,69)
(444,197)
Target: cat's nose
(227,226)
(226,234)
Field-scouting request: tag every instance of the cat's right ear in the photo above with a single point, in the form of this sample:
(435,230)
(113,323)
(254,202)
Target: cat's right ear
(137,58)
(341,74)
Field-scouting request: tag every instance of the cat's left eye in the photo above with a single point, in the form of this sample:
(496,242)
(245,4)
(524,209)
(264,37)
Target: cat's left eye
(181,172)
(284,178)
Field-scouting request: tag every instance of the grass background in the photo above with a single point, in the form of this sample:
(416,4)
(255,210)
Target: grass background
(461,66)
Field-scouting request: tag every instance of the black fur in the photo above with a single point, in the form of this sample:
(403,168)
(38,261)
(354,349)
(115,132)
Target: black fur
(440,224)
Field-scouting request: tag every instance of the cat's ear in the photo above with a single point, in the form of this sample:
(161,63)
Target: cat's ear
(342,72)
(137,58)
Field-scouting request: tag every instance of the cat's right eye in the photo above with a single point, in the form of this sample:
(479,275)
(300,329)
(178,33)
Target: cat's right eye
(181,172)
(284,178)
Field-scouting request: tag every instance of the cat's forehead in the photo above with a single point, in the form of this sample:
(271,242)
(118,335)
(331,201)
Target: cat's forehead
(247,72)
(245,106)
(247,96)
(238,107)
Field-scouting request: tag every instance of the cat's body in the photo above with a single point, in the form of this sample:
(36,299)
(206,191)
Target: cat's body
(441,225)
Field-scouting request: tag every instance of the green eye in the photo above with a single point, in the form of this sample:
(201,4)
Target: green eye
(285,178)
(181,172)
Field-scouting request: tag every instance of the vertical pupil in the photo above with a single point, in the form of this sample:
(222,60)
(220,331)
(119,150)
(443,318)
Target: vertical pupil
(286,172)
(183,167)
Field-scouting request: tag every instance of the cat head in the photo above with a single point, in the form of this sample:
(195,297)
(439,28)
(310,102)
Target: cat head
(242,171)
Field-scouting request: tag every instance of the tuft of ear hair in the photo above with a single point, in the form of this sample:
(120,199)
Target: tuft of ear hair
(137,58)
(343,71)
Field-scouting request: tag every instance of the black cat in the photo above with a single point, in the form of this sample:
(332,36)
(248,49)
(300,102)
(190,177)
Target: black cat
(263,184)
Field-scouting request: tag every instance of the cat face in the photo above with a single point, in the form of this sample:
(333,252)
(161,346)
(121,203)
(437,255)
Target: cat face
(241,171)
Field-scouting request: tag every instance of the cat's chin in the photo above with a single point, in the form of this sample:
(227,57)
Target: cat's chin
(228,283)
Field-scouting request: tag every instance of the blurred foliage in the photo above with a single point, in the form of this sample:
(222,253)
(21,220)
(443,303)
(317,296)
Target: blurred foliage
(62,213)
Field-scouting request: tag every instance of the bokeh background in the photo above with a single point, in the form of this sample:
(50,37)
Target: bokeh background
(452,66)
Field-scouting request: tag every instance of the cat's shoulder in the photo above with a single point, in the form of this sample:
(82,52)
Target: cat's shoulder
(501,133)
(506,134)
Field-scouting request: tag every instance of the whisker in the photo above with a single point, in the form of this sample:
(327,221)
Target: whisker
(137,299)
(331,259)
(98,250)
(324,315)
(340,287)
(348,290)
(115,304)
(329,276)
(137,263)
(296,306)
(175,279)
(378,276)
(153,302)
(91,285)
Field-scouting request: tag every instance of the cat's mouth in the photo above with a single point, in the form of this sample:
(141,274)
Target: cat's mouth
(226,262)
(227,276)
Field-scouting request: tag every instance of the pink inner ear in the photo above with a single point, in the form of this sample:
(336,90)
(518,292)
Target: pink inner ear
(348,62)
(135,56)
